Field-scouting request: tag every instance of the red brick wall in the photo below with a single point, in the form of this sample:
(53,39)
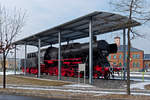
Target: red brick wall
(136,60)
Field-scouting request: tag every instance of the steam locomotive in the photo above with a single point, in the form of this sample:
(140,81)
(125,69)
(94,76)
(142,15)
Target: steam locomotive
(72,55)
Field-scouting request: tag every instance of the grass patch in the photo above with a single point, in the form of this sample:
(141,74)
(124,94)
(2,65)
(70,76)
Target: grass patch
(20,80)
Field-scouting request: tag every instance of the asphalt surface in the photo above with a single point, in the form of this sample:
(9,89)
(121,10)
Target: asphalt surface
(12,97)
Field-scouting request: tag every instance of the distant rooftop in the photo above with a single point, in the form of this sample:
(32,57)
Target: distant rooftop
(121,49)
(146,56)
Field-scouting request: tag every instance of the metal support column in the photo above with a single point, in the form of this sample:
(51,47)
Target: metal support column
(15,61)
(25,61)
(39,67)
(90,52)
(59,56)
(124,54)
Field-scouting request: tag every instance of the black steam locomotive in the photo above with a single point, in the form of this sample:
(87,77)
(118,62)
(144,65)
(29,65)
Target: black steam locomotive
(71,55)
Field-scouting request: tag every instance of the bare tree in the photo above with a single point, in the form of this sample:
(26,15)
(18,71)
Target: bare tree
(11,24)
(134,10)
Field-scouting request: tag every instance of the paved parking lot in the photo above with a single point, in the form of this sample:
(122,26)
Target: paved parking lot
(12,97)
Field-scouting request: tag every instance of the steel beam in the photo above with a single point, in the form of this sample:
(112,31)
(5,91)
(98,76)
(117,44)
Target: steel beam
(39,67)
(15,61)
(124,54)
(25,61)
(59,55)
(90,52)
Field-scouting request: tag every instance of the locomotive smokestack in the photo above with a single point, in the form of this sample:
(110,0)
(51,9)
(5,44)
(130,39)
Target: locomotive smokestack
(112,48)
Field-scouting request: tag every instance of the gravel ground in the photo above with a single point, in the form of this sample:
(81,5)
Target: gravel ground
(101,83)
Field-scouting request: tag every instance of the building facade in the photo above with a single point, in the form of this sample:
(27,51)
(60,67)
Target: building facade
(147,62)
(136,60)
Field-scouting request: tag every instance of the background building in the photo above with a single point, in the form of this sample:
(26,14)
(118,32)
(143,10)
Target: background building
(147,61)
(10,63)
(136,59)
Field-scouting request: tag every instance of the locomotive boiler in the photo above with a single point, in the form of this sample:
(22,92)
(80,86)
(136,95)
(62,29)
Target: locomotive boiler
(101,49)
(72,55)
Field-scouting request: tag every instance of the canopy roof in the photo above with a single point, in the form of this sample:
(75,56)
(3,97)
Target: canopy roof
(102,22)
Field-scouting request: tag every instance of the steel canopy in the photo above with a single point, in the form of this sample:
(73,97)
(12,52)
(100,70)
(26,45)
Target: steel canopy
(102,22)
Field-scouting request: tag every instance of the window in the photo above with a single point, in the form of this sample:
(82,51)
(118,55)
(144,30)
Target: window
(125,64)
(138,64)
(146,65)
(114,63)
(115,56)
(137,56)
(10,65)
(126,56)
(120,64)
(134,65)
(120,56)
(109,57)
(134,56)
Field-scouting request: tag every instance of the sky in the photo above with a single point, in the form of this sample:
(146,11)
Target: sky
(44,14)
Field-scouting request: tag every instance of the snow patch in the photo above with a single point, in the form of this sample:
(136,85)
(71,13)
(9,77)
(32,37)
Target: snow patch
(139,85)
(80,85)
(10,73)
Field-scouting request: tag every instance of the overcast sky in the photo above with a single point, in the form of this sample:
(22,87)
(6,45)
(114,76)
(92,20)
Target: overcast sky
(44,14)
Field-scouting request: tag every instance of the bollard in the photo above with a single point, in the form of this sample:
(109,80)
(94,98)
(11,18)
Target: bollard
(143,76)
